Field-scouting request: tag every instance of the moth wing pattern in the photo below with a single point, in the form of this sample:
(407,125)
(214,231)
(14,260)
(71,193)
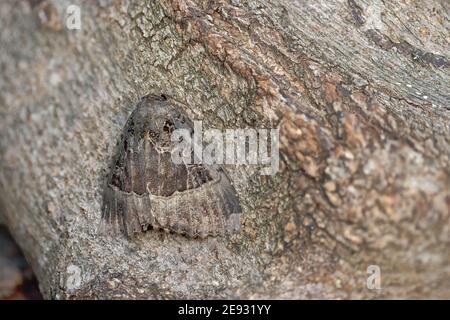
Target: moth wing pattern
(145,188)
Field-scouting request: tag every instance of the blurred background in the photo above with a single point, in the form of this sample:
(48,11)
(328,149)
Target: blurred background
(17,281)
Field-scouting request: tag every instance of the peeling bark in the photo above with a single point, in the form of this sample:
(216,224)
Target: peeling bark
(359,90)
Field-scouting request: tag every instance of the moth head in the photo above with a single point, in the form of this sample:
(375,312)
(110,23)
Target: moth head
(155,119)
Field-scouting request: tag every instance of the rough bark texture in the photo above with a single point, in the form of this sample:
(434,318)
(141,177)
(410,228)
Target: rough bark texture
(359,89)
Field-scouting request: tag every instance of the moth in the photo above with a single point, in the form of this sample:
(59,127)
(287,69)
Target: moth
(146,189)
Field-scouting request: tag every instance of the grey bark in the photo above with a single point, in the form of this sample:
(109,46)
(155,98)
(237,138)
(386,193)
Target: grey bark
(359,90)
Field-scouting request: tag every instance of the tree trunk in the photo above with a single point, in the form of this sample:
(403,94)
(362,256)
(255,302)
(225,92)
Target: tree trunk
(358,89)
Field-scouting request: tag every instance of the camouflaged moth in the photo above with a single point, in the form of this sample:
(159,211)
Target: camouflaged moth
(146,188)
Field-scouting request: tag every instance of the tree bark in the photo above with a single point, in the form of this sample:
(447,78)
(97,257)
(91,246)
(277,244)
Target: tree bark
(358,88)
